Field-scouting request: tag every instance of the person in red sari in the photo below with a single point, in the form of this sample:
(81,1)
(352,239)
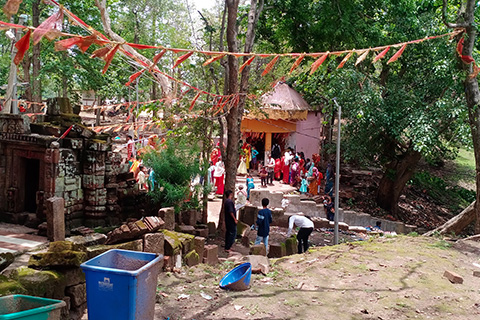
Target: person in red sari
(218,175)
(301,163)
(278,168)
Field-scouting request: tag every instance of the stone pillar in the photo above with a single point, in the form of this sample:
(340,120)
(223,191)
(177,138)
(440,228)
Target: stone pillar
(268,144)
(55,218)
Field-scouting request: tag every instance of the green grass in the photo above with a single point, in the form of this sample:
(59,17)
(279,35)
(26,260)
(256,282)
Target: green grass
(465,167)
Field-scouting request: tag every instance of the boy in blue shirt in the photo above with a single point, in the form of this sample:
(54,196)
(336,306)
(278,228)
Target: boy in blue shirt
(264,218)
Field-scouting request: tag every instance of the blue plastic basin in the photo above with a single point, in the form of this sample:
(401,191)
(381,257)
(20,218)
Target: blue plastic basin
(238,279)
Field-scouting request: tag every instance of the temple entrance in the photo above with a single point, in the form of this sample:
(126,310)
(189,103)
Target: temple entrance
(32,178)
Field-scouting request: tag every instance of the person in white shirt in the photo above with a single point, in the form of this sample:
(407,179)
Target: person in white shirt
(270,168)
(306,228)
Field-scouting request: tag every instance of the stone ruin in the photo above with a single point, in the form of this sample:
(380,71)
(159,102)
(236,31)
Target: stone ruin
(38,170)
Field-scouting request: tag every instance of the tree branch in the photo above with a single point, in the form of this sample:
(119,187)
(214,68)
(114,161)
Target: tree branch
(444,17)
(162,80)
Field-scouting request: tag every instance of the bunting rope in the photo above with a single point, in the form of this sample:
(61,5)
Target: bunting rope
(51,29)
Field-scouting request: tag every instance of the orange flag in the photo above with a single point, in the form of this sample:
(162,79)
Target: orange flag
(270,65)
(381,55)
(397,54)
(318,63)
(181,59)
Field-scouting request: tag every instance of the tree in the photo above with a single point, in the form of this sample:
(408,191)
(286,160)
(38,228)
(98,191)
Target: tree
(234,116)
(395,113)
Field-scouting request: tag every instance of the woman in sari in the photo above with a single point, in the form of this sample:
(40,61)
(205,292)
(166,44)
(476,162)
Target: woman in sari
(312,177)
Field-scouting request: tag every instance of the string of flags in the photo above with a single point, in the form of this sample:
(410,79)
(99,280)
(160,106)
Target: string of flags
(51,29)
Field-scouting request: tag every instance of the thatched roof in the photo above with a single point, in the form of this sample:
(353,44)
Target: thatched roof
(283,102)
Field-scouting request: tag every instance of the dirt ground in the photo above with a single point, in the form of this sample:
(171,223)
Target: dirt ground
(382,278)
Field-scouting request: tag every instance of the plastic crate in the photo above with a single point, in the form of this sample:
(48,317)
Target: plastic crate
(23,307)
(121,285)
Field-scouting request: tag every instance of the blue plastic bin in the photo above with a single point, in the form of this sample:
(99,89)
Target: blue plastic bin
(23,307)
(121,285)
(238,278)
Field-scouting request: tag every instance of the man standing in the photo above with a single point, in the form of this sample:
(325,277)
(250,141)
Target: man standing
(230,220)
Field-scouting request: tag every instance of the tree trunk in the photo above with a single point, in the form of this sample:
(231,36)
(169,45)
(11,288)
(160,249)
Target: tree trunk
(466,20)
(396,175)
(457,223)
(36,83)
(26,77)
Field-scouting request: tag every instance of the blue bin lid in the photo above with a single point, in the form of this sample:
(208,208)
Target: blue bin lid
(124,262)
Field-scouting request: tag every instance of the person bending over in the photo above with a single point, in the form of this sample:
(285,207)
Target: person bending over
(306,228)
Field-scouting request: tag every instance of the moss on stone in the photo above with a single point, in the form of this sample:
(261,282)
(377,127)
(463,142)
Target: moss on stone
(45,283)
(10,286)
(68,258)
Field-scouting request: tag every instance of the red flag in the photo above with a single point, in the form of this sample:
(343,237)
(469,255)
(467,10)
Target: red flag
(460,46)
(318,63)
(344,60)
(133,77)
(467,59)
(193,101)
(220,56)
(53,22)
(381,55)
(247,63)
(66,44)
(66,132)
(158,56)
(297,63)
(141,46)
(100,53)
(6,25)
(397,54)
(270,65)
(109,57)
(22,46)
(181,59)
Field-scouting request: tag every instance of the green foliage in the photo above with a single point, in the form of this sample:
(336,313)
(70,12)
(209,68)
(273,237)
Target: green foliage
(174,167)
(456,198)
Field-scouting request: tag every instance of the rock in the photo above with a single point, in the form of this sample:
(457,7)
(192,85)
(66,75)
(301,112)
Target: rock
(73,276)
(192,258)
(40,283)
(61,259)
(201,232)
(187,229)
(154,243)
(93,251)
(153,223)
(245,241)
(258,250)
(320,223)
(88,240)
(277,250)
(10,286)
(341,225)
(6,259)
(249,215)
(291,246)
(189,217)
(476,273)
(210,255)
(212,229)
(453,277)
(260,264)
(77,294)
(177,243)
(199,245)
(168,215)
(242,229)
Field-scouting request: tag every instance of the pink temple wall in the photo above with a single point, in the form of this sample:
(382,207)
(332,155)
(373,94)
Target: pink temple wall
(308,134)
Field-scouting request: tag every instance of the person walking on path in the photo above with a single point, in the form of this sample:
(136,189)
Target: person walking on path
(264,218)
(230,220)
(306,228)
